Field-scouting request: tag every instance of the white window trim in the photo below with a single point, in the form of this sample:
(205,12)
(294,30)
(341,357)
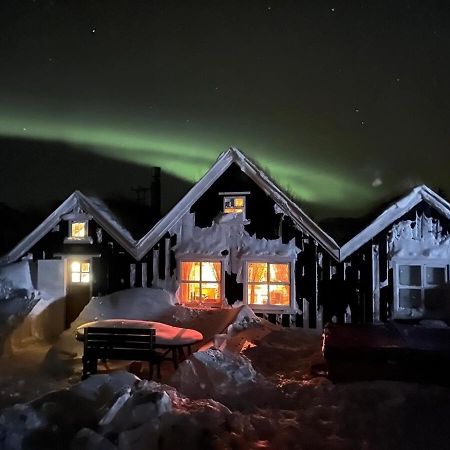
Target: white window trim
(196,258)
(423,263)
(244,208)
(291,309)
(76,240)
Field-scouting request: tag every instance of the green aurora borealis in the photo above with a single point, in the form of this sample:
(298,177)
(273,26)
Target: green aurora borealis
(186,158)
(344,105)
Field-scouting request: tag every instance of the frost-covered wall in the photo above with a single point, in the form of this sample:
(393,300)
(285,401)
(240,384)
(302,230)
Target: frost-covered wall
(227,239)
(422,237)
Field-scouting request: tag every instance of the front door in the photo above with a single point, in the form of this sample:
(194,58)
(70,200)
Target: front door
(78,294)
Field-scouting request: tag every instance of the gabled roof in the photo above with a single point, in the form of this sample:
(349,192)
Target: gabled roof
(393,213)
(233,155)
(97,210)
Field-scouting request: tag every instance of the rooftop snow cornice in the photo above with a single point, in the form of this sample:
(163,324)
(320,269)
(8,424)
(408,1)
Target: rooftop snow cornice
(225,159)
(393,213)
(77,198)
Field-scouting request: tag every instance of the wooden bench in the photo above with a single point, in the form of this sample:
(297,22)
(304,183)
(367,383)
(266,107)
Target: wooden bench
(128,344)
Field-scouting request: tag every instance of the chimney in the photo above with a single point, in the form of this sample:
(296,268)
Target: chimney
(155,191)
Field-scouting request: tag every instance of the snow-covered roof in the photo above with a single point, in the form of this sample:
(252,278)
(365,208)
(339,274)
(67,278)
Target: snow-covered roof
(393,213)
(233,155)
(100,213)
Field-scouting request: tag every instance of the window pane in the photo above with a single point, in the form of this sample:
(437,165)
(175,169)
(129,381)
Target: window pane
(435,299)
(211,292)
(84,277)
(76,277)
(233,205)
(279,273)
(190,270)
(190,292)
(435,275)
(409,298)
(211,271)
(257,272)
(258,294)
(75,266)
(85,267)
(279,295)
(410,275)
(78,229)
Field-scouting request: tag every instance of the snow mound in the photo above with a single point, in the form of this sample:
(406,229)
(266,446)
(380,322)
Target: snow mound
(227,377)
(135,303)
(18,275)
(113,412)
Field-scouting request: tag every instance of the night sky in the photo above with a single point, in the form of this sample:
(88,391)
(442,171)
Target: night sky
(344,103)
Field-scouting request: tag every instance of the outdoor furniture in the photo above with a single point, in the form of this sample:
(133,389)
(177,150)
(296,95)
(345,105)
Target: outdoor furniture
(132,344)
(169,342)
(392,350)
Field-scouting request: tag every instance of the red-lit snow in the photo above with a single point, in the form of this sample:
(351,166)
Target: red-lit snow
(260,387)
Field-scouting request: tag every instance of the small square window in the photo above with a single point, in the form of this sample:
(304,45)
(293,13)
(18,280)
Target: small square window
(78,230)
(80,272)
(234,205)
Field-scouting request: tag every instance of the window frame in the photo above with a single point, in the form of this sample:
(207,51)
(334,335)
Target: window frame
(80,272)
(269,307)
(423,264)
(70,239)
(221,283)
(234,197)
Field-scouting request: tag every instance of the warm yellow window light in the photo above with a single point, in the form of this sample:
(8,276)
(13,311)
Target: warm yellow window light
(200,282)
(234,205)
(78,230)
(80,272)
(268,283)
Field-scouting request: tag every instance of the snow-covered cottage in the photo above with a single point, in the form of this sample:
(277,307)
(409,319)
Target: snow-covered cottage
(81,249)
(237,237)
(401,260)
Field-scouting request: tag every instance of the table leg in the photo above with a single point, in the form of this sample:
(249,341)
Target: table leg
(175,357)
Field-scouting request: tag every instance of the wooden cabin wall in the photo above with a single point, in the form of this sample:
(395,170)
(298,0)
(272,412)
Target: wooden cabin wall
(264,223)
(110,271)
(361,262)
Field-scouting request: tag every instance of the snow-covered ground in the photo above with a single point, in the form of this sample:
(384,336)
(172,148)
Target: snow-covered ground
(255,386)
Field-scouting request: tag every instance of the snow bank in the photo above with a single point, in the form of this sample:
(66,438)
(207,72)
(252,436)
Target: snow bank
(18,274)
(136,303)
(112,412)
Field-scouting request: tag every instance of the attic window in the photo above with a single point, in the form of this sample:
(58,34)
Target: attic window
(234,202)
(78,230)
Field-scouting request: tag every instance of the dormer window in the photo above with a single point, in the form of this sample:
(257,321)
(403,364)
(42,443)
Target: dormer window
(78,230)
(234,202)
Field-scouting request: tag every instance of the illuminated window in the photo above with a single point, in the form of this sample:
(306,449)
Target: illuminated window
(80,272)
(234,205)
(268,283)
(78,230)
(201,282)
